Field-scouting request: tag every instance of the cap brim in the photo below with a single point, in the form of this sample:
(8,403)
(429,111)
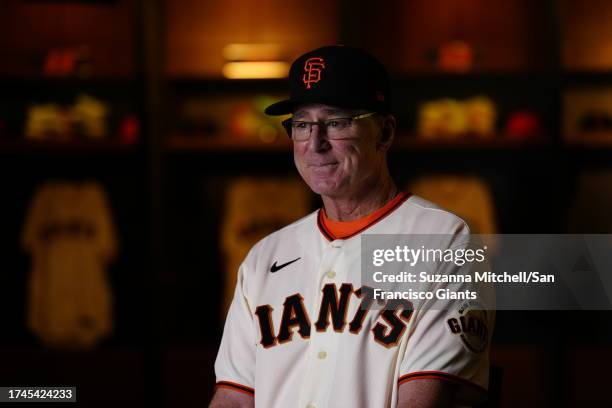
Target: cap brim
(280,108)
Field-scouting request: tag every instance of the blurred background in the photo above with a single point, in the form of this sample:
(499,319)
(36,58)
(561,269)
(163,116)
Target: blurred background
(136,165)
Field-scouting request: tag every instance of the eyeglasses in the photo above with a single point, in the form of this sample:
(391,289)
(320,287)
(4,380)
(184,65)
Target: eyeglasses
(335,128)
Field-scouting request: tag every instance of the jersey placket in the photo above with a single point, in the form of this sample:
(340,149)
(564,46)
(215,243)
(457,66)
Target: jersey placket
(323,346)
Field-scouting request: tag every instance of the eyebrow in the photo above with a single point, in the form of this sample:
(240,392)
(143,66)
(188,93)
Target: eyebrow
(329,111)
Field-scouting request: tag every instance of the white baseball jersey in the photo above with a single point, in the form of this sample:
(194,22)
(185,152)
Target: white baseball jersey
(296,336)
(72,238)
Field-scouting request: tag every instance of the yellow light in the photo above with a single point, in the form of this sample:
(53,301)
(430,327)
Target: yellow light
(255,70)
(252,52)
(267,133)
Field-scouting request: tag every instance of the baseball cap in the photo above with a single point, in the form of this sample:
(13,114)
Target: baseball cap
(337,75)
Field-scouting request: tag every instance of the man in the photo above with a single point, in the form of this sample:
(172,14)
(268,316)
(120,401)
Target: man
(297,333)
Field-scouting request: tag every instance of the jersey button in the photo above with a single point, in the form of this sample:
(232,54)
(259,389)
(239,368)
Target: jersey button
(322,355)
(331,274)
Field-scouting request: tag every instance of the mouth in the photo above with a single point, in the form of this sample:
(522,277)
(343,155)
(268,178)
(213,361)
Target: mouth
(323,165)
(323,169)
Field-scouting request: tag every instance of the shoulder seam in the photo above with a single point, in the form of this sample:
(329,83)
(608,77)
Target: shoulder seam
(452,214)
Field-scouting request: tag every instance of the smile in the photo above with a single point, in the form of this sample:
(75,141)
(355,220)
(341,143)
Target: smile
(323,169)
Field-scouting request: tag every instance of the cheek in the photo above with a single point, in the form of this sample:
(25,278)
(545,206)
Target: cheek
(298,159)
(359,161)
(297,153)
(353,158)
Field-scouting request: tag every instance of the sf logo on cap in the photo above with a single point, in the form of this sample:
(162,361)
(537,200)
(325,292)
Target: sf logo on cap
(313,67)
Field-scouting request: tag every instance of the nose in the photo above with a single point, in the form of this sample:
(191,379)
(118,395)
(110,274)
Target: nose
(318,138)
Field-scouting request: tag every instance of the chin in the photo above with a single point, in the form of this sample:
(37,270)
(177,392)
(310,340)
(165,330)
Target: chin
(328,183)
(324,187)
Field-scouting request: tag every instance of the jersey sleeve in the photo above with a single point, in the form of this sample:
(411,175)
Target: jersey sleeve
(450,341)
(30,234)
(235,363)
(105,238)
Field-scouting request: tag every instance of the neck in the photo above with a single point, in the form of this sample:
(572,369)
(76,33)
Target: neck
(361,204)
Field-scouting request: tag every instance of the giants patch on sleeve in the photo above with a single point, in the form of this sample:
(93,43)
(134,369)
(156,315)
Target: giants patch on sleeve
(470,325)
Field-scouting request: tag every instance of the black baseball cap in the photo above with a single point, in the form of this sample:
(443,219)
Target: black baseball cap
(337,75)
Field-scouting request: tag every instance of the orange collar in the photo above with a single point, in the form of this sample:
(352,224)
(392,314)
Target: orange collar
(345,229)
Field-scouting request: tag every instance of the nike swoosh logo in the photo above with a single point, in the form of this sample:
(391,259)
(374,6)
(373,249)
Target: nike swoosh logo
(275,267)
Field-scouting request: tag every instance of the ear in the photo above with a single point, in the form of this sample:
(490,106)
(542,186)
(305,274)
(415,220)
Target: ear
(387,132)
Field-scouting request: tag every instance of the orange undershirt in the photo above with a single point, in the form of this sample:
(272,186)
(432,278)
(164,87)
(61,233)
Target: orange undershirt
(344,229)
